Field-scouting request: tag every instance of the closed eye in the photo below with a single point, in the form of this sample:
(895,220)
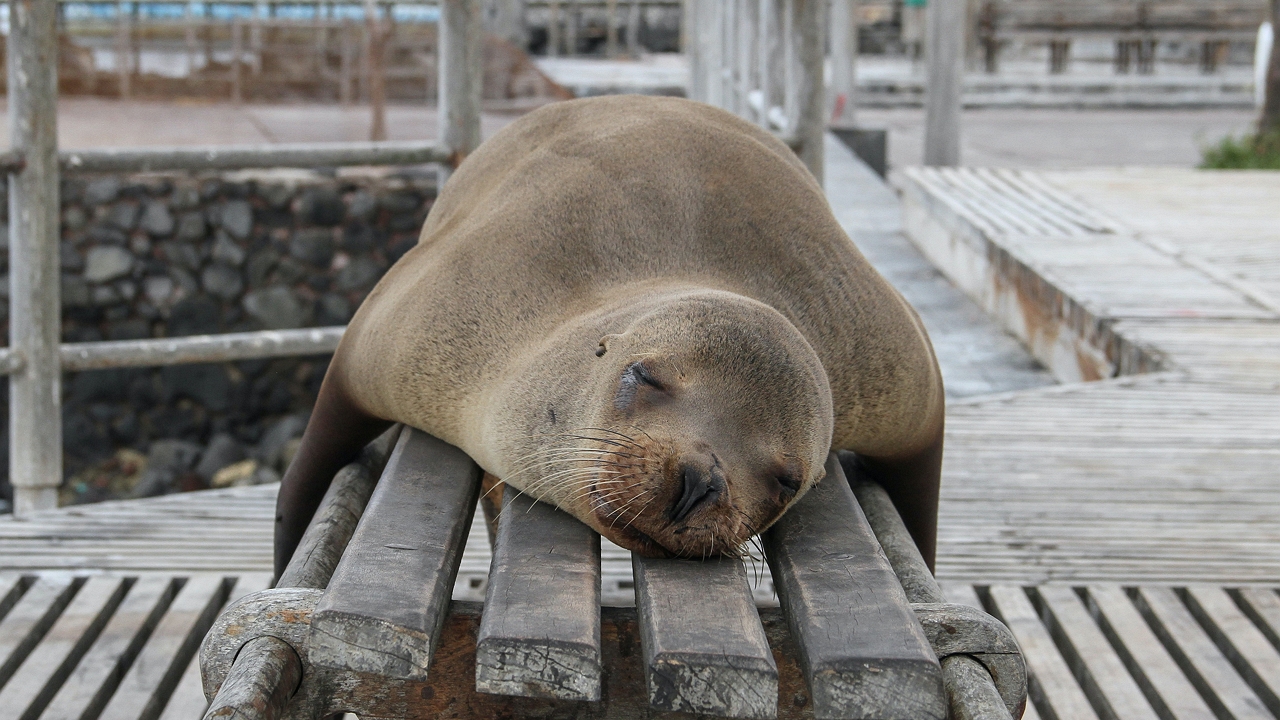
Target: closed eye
(635,376)
(642,375)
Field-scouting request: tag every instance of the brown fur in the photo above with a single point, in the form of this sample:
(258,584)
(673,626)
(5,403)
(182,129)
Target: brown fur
(594,234)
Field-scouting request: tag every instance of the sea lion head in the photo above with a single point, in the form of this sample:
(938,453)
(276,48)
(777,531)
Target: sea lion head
(684,429)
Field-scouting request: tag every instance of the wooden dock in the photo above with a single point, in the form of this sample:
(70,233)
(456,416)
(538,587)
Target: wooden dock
(1125,524)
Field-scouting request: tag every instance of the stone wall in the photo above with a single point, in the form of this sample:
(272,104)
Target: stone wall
(170,255)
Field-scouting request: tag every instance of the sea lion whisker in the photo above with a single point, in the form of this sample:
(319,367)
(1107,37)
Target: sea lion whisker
(624,436)
(623,509)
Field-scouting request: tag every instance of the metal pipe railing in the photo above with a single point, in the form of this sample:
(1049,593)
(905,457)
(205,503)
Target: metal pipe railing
(35,359)
(244,157)
(77,357)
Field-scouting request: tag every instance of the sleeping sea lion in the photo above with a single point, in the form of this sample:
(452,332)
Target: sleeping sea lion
(642,310)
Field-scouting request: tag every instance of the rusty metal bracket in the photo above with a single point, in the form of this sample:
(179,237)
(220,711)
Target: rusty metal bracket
(962,630)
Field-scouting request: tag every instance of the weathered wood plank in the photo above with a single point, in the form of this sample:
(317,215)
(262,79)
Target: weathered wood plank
(1147,660)
(188,701)
(155,672)
(1204,664)
(44,670)
(704,649)
(1106,680)
(327,535)
(861,646)
(540,633)
(259,686)
(1262,605)
(383,608)
(1249,651)
(29,619)
(95,678)
(1050,682)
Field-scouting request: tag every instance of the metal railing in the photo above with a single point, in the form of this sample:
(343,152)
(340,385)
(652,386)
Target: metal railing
(35,359)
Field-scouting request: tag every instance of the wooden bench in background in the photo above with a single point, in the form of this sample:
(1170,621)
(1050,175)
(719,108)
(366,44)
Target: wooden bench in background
(362,620)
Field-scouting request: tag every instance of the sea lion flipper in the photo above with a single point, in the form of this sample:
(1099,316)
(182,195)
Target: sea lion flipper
(337,432)
(912,482)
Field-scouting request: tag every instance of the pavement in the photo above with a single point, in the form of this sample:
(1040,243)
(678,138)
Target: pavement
(1025,138)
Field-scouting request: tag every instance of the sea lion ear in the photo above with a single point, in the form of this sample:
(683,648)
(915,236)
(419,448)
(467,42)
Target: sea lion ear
(603,347)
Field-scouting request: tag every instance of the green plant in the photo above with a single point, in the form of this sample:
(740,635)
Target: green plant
(1249,152)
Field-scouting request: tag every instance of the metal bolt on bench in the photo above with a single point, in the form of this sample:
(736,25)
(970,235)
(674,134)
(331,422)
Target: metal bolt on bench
(361,620)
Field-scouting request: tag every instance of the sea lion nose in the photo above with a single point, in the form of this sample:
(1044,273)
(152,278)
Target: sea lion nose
(702,481)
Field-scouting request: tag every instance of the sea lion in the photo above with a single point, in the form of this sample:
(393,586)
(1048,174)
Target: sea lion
(642,310)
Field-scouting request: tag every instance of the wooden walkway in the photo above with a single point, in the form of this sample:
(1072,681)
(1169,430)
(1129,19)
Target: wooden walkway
(1125,525)
(1152,293)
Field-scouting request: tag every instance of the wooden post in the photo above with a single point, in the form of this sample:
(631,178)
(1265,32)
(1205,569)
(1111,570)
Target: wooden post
(255,39)
(208,34)
(764,59)
(553,29)
(237,55)
(377,50)
(844,59)
(944,34)
(346,62)
(189,34)
(611,28)
(572,16)
(790,75)
(811,121)
(690,21)
(461,76)
(714,65)
(746,31)
(688,14)
(35,389)
(124,57)
(633,29)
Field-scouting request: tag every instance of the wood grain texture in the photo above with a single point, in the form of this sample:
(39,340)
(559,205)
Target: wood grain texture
(383,608)
(145,688)
(264,677)
(335,521)
(540,635)
(704,649)
(98,674)
(188,701)
(30,618)
(1203,663)
(862,648)
(1051,685)
(1146,659)
(1106,679)
(39,676)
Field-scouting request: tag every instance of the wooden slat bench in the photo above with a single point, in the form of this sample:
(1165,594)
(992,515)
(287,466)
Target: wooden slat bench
(375,633)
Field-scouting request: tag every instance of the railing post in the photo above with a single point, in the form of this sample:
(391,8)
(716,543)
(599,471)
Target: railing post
(945,57)
(461,76)
(35,390)
(844,59)
(124,57)
(811,123)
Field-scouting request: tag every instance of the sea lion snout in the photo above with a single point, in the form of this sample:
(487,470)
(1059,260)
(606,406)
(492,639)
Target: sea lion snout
(702,483)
